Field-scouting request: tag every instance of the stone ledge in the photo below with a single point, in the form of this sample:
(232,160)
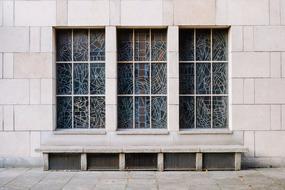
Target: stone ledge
(79,132)
(143,132)
(205,131)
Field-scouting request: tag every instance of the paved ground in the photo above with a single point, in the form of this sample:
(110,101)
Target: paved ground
(259,179)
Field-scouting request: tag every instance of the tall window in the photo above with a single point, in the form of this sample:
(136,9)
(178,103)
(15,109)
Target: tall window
(80,70)
(203,78)
(142,78)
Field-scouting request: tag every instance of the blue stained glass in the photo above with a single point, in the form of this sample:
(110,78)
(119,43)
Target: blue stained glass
(186,78)
(142,112)
(158,78)
(80,45)
(220,78)
(64,112)
(64,78)
(220,112)
(125,45)
(203,111)
(80,78)
(97,112)
(203,78)
(159,112)
(186,111)
(125,78)
(142,78)
(142,45)
(220,44)
(63,45)
(203,45)
(125,112)
(81,112)
(97,45)
(186,45)
(97,78)
(158,45)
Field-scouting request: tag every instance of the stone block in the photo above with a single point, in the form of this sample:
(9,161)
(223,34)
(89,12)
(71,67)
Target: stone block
(248,142)
(283,117)
(248,38)
(111,91)
(269,91)
(269,38)
(8,13)
(236,38)
(250,64)
(1,64)
(172,38)
(14,91)
(251,117)
(48,91)
(167,14)
(35,91)
(275,12)
(33,117)
(111,65)
(1,118)
(115,12)
(248,91)
(1,15)
(269,143)
(111,118)
(35,13)
(8,117)
(275,117)
(173,95)
(47,39)
(35,142)
(61,12)
(141,13)
(35,39)
(8,65)
(15,144)
(283,63)
(173,64)
(275,64)
(33,65)
(237,91)
(14,39)
(111,38)
(88,12)
(282,12)
(188,12)
(172,117)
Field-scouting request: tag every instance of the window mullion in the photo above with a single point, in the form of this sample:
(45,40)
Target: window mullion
(150,92)
(134,107)
(72,82)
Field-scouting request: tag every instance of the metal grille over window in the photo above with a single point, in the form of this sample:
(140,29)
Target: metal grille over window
(203,78)
(142,78)
(80,71)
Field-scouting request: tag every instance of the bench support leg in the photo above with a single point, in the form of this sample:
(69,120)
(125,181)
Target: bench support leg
(199,161)
(83,161)
(46,163)
(122,163)
(160,162)
(237,161)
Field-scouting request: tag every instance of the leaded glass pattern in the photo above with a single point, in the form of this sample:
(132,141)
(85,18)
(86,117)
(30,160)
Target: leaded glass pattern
(203,78)
(80,73)
(142,78)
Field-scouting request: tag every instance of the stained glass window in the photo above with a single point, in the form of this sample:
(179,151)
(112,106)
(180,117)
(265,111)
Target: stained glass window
(142,78)
(80,73)
(203,78)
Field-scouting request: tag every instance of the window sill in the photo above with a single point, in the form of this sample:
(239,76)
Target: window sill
(142,132)
(79,132)
(204,131)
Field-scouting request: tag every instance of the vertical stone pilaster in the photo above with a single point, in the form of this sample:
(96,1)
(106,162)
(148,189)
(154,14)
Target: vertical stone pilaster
(199,161)
(122,163)
(46,162)
(83,161)
(173,78)
(237,161)
(160,165)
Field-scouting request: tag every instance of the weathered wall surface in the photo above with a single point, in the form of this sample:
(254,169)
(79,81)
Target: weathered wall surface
(27,75)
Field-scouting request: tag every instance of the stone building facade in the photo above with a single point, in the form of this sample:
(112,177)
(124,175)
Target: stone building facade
(28,74)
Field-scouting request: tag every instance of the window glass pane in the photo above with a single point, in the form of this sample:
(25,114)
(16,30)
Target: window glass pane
(97,78)
(186,45)
(142,46)
(142,78)
(220,112)
(203,45)
(186,111)
(63,45)
(64,78)
(80,45)
(97,45)
(97,112)
(125,112)
(142,112)
(220,76)
(125,78)
(186,82)
(80,75)
(81,112)
(158,45)
(158,78)
(203,111)
(203,78)
(64,112)
(159,112)
(220,45)
(125,45)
